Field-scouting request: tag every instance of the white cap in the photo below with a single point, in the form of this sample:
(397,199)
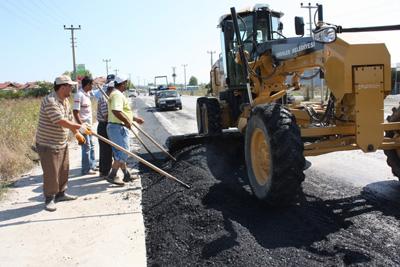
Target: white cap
(110,84)
(120,78)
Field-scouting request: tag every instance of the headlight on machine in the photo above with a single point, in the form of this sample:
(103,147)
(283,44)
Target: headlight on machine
(325,35)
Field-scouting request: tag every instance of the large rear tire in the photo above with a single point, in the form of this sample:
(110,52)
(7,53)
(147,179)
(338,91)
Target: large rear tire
(393,155)
(274,154)
(208,115)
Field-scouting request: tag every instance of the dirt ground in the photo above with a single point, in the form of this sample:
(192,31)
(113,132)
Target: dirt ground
(218,221)
(104,227)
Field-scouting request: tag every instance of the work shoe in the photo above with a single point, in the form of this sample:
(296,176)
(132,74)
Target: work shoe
(114,179)
(50,204)
(129,178)
(62,196)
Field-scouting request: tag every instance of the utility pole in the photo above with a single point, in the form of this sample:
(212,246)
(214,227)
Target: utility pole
(184,74)
(130,80)
(173,74)
(310,25)
(116,72)
(72,28)
(211,53)
(106,61)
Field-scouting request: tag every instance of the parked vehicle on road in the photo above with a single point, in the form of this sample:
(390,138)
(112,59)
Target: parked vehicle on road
(132,93)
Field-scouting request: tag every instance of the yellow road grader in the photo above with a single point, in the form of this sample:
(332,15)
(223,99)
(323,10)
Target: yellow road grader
(257,71)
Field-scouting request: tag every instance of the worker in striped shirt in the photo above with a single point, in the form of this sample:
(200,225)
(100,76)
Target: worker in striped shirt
(105,150)
(55,121)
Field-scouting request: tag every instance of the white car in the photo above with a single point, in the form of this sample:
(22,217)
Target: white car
(132,93)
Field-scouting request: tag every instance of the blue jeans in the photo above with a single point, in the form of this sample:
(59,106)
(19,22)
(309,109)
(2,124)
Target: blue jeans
(88,158)
(120,135)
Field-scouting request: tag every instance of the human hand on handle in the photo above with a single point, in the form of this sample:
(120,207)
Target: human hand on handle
(85,129)
(138,120)
(80,138)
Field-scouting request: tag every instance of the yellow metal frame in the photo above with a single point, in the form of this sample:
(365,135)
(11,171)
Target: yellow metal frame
(358,75)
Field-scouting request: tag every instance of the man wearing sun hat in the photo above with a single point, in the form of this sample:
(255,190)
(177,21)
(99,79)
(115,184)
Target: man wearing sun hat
(55,119)
(119,114)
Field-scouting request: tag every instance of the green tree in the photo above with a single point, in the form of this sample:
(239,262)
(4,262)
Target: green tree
(193,81)
(44,88)
(130,85)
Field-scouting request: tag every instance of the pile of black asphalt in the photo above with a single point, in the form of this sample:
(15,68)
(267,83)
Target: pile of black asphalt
(219,222)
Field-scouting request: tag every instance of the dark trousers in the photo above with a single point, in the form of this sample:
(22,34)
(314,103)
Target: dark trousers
(55,166)
(105,157)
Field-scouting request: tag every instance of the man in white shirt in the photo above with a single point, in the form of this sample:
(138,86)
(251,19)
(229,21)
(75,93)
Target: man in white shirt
(82,111)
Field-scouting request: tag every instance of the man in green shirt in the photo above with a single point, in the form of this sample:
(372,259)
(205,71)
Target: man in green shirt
(120,116)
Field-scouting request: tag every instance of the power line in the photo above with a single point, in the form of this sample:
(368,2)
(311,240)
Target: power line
(16,11)
(72,29)
(46,10)
(56,10)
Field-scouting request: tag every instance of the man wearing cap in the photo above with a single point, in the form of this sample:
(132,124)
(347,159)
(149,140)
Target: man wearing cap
(105,151)
(120,116)
(83,114)
(55,119)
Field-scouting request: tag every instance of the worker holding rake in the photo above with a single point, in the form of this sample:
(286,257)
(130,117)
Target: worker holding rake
(119,114)
(55,121)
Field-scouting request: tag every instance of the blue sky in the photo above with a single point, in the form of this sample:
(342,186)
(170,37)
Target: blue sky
(147,38)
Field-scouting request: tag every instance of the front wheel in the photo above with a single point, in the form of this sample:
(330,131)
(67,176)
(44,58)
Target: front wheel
(274,154)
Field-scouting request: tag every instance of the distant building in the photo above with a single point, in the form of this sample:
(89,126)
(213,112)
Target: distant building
(11,86)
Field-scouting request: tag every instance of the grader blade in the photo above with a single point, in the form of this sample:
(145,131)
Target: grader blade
(178,142)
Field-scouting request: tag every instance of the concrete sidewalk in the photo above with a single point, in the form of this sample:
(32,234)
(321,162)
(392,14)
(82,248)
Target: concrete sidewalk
(104,227)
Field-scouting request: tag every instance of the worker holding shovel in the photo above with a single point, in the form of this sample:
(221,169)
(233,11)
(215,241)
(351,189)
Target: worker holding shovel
(119,113)
(55,121)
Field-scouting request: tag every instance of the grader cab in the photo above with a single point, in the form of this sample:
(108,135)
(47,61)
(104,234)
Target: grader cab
(258,70)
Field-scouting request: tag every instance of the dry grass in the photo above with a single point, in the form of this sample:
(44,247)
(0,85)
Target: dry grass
(18,120)
(18,123)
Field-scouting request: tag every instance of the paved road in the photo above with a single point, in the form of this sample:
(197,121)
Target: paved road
(162,124)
